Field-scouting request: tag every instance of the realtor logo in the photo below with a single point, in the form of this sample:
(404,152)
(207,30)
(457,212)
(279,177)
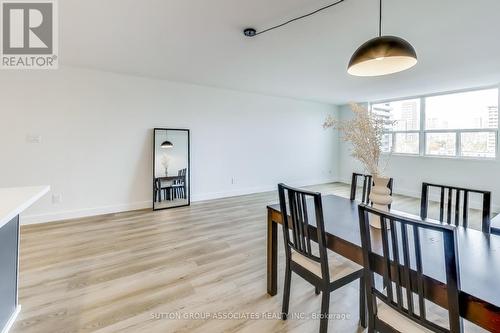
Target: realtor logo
(29,34)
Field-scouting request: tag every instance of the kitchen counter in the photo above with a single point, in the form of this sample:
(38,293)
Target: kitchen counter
(13,201)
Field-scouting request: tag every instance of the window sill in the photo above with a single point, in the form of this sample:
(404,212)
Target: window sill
(455,158)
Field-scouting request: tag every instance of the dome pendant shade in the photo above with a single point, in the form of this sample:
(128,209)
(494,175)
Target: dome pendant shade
(381,56)
(167,144)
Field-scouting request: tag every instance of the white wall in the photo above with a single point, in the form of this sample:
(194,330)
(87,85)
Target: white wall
(96,139)
(410,171)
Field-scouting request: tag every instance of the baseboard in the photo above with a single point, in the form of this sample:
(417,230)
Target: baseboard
(75,214)
(416,195)
(11,320)
(232,193)
(259,189)
(88,212)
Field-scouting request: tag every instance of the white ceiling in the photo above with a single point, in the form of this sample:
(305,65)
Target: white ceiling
(200,41)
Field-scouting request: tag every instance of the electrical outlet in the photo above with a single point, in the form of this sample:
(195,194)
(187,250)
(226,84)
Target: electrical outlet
(56,198)
(233,180)
(33,138)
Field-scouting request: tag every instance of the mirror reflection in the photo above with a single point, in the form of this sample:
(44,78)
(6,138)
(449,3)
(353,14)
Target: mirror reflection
(171,168)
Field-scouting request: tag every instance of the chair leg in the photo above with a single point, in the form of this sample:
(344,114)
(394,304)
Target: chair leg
(325,310)
(317,291)
(362,302)
(286,292)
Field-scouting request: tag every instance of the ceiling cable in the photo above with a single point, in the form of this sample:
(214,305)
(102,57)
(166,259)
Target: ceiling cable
(251,32)
(380,20)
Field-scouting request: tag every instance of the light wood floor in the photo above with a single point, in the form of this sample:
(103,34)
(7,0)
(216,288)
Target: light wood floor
(131,272)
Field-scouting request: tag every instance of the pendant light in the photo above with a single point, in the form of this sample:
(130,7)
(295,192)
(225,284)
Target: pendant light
(382,55)
(167,144)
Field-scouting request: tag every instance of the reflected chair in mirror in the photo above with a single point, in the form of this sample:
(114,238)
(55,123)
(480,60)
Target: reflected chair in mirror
(367,186)
(165,187)
(306,251)
(179,185)
(401,306)
(454,205)
(157,190)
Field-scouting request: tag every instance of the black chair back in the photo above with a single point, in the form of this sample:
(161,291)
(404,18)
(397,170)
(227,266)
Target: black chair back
(181,173)
(400,261)
(297,208)
(457,197)
(367,186)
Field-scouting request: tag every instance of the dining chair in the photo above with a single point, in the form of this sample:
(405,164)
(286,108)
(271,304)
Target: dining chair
(303,222)
(367,186)
(454,198)
(401,305)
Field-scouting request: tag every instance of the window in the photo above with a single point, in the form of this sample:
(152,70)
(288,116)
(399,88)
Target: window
(403,136)
(463,124)
(406,143)
(441,144)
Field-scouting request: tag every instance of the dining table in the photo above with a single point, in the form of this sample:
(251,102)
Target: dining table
(478,253)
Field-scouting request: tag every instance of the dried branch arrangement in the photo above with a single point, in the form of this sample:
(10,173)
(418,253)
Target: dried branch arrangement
(364,131)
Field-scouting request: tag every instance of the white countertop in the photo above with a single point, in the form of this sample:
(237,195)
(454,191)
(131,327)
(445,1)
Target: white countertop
(15,200)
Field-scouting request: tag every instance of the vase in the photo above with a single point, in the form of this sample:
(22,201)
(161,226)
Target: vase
(380,196)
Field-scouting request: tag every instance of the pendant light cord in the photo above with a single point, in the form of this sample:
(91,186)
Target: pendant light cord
(299,18)
(380,19)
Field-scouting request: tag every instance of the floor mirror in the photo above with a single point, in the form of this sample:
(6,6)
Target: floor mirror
(171,168)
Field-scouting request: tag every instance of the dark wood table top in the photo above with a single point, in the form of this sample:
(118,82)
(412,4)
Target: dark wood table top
(479,253)
(165,178)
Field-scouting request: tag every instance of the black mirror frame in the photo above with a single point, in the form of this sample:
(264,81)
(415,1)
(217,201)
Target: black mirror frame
(188,176)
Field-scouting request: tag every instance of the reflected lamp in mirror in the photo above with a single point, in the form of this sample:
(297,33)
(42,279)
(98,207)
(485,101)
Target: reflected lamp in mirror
(167,144)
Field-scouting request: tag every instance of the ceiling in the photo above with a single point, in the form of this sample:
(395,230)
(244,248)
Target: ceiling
(201,42)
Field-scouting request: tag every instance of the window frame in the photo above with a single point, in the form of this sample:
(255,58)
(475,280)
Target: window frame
(458,132)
